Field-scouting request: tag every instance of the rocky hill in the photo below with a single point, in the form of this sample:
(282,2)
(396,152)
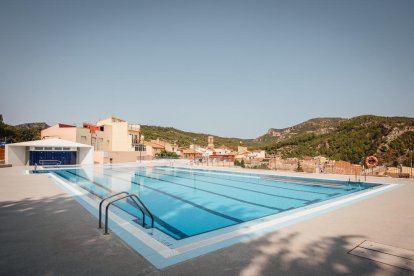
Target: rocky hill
(37,125)
(20,133)
(315,126)
(389,138)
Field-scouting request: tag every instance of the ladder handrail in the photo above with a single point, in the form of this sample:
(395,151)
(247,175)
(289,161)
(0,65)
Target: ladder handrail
(145,208)
(100,206)
(58,162)
(135,199)
(112,202)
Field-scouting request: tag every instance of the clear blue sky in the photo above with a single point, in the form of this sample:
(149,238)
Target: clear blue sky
(230,68)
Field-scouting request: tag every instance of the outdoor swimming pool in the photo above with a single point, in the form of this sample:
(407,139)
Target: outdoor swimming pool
(197,210)
(187,202)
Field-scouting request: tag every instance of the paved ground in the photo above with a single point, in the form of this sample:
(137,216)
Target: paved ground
(45,232)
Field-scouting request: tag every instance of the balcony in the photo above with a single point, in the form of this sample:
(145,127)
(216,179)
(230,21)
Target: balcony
(135,128)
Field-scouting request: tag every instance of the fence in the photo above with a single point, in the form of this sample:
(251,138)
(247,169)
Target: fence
(338,167)
(214,162)
(2,154)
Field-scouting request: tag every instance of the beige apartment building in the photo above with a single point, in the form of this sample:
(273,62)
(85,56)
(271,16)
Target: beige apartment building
(118,135)
(74,134)
(114,140)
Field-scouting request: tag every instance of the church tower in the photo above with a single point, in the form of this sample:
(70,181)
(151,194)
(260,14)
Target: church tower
(210,144)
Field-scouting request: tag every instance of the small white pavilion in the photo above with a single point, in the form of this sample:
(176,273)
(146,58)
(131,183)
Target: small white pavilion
(49,152)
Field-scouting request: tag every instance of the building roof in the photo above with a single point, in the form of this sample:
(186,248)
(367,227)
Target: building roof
(65,125)
(190,151)
(154,145)
(114,119)
(50,143)
(92,128)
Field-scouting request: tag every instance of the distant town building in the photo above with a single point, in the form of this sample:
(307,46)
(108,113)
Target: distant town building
(210,144)
(241,149)
(190,154)
(113,139)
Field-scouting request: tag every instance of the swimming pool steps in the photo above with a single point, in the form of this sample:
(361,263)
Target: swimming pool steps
(135,199)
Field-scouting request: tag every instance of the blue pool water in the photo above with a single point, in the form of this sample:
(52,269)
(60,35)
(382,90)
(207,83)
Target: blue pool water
(188,202)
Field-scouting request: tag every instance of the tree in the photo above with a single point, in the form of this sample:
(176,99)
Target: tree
(167,154)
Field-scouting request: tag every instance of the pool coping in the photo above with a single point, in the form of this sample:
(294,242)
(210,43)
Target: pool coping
(162,255)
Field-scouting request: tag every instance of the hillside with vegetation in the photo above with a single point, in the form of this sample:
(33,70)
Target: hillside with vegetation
(186,138)
(20,133)
(389,138)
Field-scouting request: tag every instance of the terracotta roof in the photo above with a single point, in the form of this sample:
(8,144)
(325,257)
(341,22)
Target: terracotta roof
(154,145)
(65,125)
(190,151)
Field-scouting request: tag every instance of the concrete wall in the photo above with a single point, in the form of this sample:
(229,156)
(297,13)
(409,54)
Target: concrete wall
(83,136)
(104,157)
(85,156)
(98,157)
(121,141)
(116,137)
(107,138)
(97,140)
(16,155)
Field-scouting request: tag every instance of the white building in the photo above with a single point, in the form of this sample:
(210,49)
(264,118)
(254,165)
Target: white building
(49,152)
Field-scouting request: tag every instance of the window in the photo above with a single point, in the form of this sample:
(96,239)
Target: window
(140,147)
(38,148)
(58,148)
(66,149)
(48,148)
(83,139)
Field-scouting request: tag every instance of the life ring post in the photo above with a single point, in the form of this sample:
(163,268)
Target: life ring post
(371,161)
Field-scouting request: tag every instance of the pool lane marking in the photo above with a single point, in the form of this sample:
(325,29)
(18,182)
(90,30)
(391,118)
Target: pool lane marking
(331,185)
(239,188)
(161,222)
(193,188)
(276,221)
(259,184)
(210,192)
(177,197)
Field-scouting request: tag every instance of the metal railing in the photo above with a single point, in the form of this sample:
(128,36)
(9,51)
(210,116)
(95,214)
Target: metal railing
(135,199)
(51,162)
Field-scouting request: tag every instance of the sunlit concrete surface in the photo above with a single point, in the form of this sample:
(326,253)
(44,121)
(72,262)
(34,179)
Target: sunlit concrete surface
(43,231)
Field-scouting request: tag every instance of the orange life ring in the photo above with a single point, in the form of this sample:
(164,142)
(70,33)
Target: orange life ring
(371,161)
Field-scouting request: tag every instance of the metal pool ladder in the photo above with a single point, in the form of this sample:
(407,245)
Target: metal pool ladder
(135,199)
